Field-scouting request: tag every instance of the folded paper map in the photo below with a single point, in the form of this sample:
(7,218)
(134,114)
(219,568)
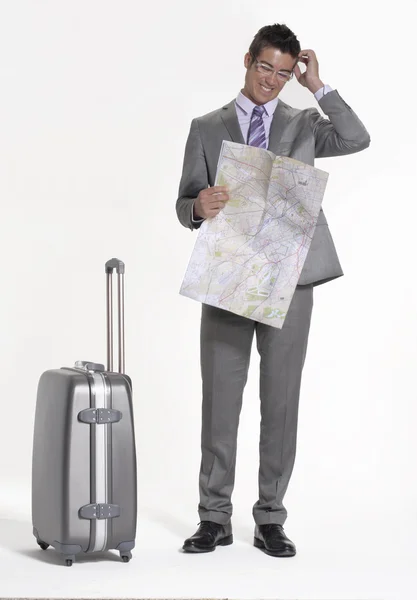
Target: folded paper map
(248,258)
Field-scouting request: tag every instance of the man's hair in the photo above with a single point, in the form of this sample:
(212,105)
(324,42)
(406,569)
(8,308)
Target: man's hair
(277,36)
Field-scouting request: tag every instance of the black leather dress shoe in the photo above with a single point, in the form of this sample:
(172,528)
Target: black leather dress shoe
(208,536)
(271,539)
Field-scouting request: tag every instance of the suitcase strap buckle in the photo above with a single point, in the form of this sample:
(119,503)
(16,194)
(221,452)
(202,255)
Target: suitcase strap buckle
(99,416)
(99,511)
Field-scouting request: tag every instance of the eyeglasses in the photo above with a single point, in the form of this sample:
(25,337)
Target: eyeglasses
(266,69)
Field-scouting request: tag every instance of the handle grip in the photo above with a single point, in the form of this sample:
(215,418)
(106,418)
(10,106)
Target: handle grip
(119,266)
(115,263)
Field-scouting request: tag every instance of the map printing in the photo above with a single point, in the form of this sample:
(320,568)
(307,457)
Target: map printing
(249,257)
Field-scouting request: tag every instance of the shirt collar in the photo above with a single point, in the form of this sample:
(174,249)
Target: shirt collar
(247,105)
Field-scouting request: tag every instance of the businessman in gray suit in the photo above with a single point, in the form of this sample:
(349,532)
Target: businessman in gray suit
(257,117)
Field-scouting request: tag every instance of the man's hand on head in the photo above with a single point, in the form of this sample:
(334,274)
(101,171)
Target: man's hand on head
(310,78)
(210,201)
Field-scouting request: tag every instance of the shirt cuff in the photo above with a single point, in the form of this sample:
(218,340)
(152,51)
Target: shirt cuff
(322,91)
(192,215)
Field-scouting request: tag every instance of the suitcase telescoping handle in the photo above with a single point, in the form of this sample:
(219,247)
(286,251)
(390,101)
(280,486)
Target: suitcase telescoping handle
(119,265)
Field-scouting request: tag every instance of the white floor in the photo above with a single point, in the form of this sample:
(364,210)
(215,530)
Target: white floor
(333,562)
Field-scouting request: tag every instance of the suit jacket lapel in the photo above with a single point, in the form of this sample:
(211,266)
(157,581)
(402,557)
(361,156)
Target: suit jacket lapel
(279,123)
(230,121)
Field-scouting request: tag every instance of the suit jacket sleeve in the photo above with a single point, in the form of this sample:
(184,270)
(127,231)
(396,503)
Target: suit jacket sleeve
(342,133)
(194,177)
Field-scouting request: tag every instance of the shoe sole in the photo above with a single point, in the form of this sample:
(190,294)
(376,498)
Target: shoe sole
(193,548)
(279,553)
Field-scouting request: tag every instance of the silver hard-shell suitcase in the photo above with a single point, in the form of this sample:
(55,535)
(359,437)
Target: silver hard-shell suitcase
(84,487)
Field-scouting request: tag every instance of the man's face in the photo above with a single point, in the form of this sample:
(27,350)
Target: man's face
(261,86)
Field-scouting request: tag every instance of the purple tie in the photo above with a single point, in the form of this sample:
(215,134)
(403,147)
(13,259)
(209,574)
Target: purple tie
(256,133)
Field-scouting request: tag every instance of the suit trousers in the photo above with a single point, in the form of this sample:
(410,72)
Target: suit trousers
(225,345)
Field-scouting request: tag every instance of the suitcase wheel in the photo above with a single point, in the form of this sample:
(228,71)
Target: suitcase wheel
(69,562)
(126,556)
(43,545)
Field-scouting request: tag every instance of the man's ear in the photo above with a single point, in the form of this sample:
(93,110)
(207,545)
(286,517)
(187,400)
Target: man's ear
(247,60)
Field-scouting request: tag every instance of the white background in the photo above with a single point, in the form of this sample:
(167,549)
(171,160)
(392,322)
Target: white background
(95,107)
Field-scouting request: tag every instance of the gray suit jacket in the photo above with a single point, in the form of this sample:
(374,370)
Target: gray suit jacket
(300,134)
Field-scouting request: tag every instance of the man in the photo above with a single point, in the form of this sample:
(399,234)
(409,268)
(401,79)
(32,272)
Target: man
(257,117)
